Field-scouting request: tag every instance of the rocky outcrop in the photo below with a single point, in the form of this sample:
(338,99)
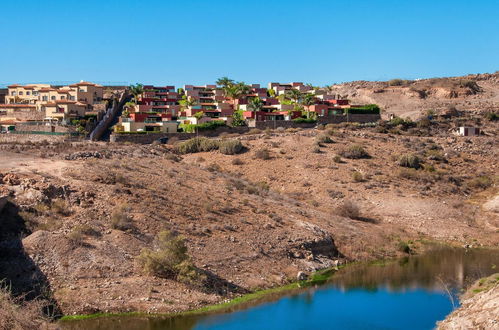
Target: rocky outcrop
(479,309)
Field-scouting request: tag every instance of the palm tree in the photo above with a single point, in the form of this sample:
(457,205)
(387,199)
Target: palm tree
(225,82)
(255,104)
(294,95)
(136,90)
(307,101)
(236,91)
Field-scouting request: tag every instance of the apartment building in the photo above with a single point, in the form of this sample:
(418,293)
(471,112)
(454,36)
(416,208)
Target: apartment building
(160,100)
(147,122)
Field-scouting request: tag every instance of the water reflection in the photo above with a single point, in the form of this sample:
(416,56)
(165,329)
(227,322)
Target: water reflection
(412,292)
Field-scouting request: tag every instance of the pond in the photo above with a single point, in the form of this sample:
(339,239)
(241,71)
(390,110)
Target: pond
(410,293)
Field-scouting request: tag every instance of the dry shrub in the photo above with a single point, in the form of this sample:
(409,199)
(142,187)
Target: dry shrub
(354,152)
(337,159)
(196,144)
(237,161)
(254,131)
(410,161)
(480,182)
(357,176)
(262,154)
(230,147)
(323,138)
(348,209)
(15,315)
(169,259)
(120,218)
(60,207)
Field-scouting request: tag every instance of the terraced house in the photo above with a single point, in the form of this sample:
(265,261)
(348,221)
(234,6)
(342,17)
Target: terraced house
(61,103)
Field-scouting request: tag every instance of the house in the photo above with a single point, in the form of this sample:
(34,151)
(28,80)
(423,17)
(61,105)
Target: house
(146,122)
(64,110)
(468,131)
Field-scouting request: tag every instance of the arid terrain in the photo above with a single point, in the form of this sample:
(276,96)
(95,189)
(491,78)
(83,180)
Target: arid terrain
(79,213)
(475,93)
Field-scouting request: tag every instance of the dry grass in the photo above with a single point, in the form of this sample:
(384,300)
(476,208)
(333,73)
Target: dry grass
(15,315)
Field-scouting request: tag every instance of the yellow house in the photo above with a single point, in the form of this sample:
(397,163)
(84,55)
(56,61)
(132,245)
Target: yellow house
(23,94)
(87,92)
(65,109)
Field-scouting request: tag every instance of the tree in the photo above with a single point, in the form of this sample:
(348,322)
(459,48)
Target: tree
(187,102)
(236,91)
(307,101)
(225,82)
(237,119)
(199,115)
(136,90)
(255,104)
(294,95)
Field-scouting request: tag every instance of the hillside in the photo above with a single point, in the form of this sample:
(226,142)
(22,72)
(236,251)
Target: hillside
(251,220)
(476,93)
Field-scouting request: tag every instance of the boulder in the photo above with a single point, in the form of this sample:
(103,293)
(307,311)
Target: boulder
(301,276)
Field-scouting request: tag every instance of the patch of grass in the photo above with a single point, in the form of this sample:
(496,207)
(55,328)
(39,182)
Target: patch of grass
(237,161)
(480,182)
(323,138)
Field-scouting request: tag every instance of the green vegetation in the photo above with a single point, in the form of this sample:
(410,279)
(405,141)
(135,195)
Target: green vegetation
(492,116)
(169,259)
(367,109)
(305,120)
(323,138)
(398,82)
(191,128)
(136,90)
(237,119)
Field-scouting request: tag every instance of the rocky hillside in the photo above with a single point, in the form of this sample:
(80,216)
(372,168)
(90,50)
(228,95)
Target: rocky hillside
(294,200)
(412,98)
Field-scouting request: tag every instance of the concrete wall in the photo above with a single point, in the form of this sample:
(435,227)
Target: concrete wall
(282,123)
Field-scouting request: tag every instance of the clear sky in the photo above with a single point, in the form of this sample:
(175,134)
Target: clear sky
(177,42)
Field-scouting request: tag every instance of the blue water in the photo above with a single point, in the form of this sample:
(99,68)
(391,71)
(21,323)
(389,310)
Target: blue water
(332,308)
(410,293)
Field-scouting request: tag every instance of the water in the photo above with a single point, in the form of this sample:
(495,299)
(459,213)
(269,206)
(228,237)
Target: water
(411,293)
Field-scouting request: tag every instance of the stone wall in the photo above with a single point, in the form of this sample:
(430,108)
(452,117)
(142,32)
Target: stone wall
(273,124)
(44,128)
(351,118)
(23,138)
(151,137)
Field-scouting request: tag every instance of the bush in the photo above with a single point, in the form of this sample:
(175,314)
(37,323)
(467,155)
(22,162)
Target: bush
(492,116)
(480,182)
(354,152)
(190,128)
(60,207)
(367,109)
(337,159)
(169,259)
(196,144)
(230,147)
(316,149)
(410,161)
(120,219)
(237,161)
(348,209)
(16,314)
(262,154)
(398,82)
(76,236)
(357,177)
(323,138)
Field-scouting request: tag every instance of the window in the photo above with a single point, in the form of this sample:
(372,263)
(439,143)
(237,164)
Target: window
(13,94)
(71,97)
(21,93)
(28,93)
(81,90)
(63,97)
(45,98)
(52,98)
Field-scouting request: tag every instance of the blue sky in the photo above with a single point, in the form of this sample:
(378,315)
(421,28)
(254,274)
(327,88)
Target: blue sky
(177,42)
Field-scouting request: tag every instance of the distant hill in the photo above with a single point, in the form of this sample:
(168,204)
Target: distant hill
(412,98)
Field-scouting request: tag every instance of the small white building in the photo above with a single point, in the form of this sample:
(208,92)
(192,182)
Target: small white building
(468,131)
